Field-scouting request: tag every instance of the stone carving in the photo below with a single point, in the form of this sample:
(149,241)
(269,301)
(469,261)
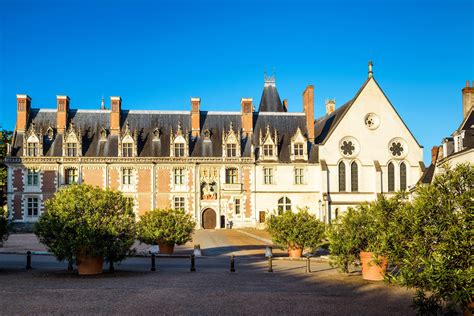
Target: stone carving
(209,177)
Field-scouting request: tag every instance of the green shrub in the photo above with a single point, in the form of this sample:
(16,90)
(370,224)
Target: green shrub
(171,227)
(5,225)
(296,230)
(81,219)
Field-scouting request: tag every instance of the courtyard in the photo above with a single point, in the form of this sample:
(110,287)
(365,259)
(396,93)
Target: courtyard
(173,289)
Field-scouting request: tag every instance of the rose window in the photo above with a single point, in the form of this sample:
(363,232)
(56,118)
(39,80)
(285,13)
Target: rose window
(371,121)
(347,148)
(397,149)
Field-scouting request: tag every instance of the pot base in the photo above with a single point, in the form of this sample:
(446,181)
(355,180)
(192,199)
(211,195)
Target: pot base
(370,270)
(89,265)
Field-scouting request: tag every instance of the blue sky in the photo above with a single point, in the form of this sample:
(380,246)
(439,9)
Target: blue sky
(157,54)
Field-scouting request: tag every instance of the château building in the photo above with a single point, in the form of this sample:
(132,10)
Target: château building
(219,166)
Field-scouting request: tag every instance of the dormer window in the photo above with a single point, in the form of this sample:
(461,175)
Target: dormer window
(298,146)
(127,149)
(268,145)
(128,142)
(231,142)
(231,150)
(268,150)
(178,143)
(33,142)
(71,149)
(179,150)
(72,142)
(32,148)
(298,150)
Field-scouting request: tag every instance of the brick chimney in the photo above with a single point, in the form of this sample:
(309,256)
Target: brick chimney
(330,106)
(467,99)
(116,107)
(62,112)
(23,105)
(285,105)
(247,116)
(434,154)
(308,109)
(195,116)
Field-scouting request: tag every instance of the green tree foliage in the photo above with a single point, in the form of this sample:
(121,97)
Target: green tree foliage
(81,219)
(5,139)
(171,227)
(5,225)
(296,230)
(434,246)
(363,228)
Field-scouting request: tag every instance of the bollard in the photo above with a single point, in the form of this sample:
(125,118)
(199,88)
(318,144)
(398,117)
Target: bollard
(270,264)
(28,260)
(69,265)
(153,267)
(232,263)
(308,265)
(111,266)
(193,264)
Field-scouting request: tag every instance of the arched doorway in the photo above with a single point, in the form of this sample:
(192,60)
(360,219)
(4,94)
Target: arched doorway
(209,219)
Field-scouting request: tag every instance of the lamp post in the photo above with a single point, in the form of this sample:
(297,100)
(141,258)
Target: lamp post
(325,199)
(320,210)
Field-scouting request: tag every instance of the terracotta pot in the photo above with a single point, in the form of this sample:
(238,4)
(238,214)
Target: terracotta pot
(370,269)
(294,252)
(165,248)
(87,265)
(470,306)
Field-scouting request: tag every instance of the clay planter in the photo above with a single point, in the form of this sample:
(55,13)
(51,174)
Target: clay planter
(165,248)
(370,270)
(294,252)
(87,265)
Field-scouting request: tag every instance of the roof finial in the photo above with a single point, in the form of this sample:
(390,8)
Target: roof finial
(371,73)
(269,80)
(102,104)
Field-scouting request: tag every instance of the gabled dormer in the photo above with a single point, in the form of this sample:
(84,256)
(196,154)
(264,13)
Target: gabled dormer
(72,143)
(179,143)
(299,146)
(128,142)
(34,142)
(231,143)
(268,145)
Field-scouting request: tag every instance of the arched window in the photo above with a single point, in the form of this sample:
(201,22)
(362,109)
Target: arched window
(284,204)
(354,177)
(342,177)
(391,177)
(403,176)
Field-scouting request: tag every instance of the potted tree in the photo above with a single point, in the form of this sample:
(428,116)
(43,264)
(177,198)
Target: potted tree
(296,231)
(87,224)
(165,227)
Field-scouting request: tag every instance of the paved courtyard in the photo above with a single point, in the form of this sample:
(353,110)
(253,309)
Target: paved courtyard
(133,289)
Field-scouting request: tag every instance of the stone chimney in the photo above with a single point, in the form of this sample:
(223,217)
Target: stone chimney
(23,105)
(195,116)
(116,107)
(330,106)
(247,116)
(308,109)
(62,112)
(285,105)
(434,154)
(467,99)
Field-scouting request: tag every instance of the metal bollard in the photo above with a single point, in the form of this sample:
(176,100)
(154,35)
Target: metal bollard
(69,265)
(28,260)
(193,264)
(232,263)
(270,264)
(111,266)
(308,265)
(153,267)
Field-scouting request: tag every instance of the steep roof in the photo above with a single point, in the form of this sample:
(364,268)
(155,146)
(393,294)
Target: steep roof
(270,101)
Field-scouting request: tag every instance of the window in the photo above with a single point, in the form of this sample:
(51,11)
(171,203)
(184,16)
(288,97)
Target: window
(237,206)
(178,203)
(32,149)
(231,175)
(179,150)
(130,203)
(342,177)
(32,177)
(127,150)
(391,177)
(299,152)
(32,206)
(268,150)
(72,176)
(71,149)
(284,204)
(127,176)
(354,177)
(403,176)
(299,176)
(231,150)
(268,175)
(179,176)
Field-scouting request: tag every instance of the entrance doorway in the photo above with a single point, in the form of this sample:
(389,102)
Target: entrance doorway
(209,219)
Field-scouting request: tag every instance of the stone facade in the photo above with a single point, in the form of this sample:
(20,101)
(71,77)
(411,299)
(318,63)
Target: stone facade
(243,165)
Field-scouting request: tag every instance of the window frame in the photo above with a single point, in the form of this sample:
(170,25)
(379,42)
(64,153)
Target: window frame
(298,150)
(71,173)
(391,177)
(341,172)
(403,176)
(299,175)
(354,177)
(32,205)
(178,149)
(231,175)
(268,150)
(179,176)
(32,177)
(268,178)
(179,203)
(231,150)
(237,207)
(71,149)
(129,175)
(32,149)
(284,205)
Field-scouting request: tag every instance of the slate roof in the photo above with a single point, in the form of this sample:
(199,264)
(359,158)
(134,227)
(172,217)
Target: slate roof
(270,101)
(468,127)
(325,125)
(427,175)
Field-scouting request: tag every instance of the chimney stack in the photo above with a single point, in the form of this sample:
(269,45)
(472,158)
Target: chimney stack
(434,154)
(195,116)
(116,107)
(23,105)
(330,106)
(308,109)
(247,116)
(62,112)
(467,99)
(285,105)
